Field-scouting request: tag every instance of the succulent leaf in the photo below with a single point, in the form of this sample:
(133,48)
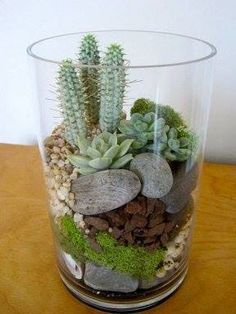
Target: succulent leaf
(100,163)
(122,161)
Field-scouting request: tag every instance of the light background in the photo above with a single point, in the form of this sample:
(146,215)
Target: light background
(22,22)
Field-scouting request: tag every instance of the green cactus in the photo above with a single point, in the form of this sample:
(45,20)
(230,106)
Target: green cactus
(103,152)
(89,55)
(145,105)
(71,99)
(112,88)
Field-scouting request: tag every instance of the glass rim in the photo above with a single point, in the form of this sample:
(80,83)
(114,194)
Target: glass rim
(213,50)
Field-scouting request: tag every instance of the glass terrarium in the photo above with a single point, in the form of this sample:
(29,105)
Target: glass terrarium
(122,123)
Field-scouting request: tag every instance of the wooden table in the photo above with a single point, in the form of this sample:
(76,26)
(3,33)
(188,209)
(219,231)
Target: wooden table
(29,282)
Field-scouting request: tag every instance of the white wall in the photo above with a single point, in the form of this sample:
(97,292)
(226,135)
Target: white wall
(22,22)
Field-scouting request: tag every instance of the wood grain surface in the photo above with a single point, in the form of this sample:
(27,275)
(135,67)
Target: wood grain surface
(29,282)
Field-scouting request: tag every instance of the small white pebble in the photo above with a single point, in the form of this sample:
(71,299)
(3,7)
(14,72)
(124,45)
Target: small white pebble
(71,203)
(56,150)
(161,273)
(61,164)
(169,264)
(86,231)
(82,224)
(71,196)
(61,195)
(110,230)
(78,217)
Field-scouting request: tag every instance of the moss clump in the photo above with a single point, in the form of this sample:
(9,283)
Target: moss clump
(172,118)
(135,261)
(143,106)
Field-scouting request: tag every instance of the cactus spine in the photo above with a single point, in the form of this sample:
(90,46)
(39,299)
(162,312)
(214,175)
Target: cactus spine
(112,88)
(89,55)
(71,98)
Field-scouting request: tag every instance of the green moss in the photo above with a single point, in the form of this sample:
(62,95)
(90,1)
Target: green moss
(145,105)
(135,261)
(172,117)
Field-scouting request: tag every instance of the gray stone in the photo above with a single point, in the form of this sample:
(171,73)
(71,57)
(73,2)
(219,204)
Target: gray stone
(101,278)
(104,191)
(154,173)
(74,267)
(185,181)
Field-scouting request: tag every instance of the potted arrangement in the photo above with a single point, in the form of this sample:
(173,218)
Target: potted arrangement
(120,181)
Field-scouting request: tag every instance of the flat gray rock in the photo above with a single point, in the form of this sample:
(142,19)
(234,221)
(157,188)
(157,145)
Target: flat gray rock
(154,173)
(101,278)
(104,191)
(185,181)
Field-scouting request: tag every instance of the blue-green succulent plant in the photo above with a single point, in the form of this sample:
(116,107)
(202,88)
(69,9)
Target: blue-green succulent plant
(112,88)
(100,153)
(152,133)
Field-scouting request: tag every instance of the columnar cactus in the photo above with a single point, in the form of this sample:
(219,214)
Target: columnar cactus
(71,99)
(89,55)
(112,88)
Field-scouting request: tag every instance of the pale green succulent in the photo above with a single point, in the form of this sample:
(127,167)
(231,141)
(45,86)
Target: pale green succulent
(152,133)
(142,128)
(172,146)
(100,153)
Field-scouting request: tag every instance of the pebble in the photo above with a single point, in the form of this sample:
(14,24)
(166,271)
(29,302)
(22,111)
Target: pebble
(105,279)
(104,191)
(154,173)
(74,267)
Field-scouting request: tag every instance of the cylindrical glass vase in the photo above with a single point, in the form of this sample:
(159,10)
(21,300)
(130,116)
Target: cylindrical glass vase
(122,124)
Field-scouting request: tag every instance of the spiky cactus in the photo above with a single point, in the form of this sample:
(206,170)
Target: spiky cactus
(103,152)
(89,55)
(112,88)
(71,99)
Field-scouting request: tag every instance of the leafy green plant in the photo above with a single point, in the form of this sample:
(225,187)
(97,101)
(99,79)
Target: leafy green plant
(103,152)
(72,101)
(112,88)
(134,261)
(89,55)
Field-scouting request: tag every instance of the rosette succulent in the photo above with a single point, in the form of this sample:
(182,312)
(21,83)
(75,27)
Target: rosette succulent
(141,128)
(100,153)
(152,133)
(172,146)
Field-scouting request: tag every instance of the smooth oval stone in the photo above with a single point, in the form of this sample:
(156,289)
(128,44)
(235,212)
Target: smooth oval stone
(154,173)
(104,191)
(185,181)
(74,267)
(105,279)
